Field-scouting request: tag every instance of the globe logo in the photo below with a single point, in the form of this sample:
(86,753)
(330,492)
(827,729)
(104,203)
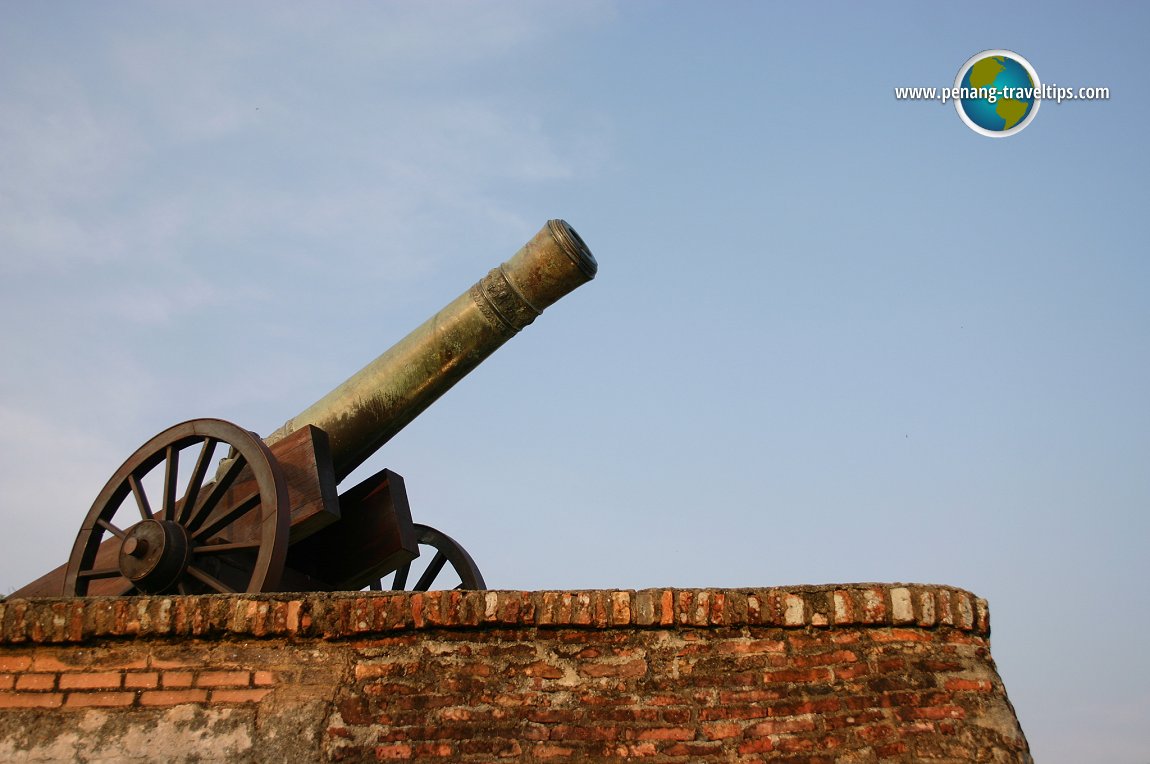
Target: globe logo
(999,90)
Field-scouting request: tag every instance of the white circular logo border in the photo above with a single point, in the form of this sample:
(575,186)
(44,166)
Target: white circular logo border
(970,62)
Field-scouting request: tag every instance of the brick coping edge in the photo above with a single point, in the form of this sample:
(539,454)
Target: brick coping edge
(340,615)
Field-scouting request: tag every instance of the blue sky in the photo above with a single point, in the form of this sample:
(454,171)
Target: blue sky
(835,337)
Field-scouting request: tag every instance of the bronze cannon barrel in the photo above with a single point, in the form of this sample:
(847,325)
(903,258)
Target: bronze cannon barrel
(378,401)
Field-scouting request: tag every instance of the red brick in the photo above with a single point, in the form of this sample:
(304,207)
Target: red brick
(858,702)
(696,751)
(901,635)
(873,605)
(652,700)
(30,699)
(544,670)
(932,712)
(97,699)
(583,609)
(852,671)
(751,646)
(758,745)
(667,608)
(823,659)
(548,751)
(916,728)
(393,751)
(620,608)
(15,662)
(707,678)
(435,750)
(890,749)
(872,733)
(779,726)
(890,665)
(799,675)
(292,616)
(732,712)
(36,682)
(974,685)
(547,715)
(263,678)
(7,681)
(584,732)
(722,730)
(667,733)
(104,680)
(637,751)
(176,679)
(513,608)
(238,696)
(223,679)
(473,669)
(718,610)
(844,607)
(633,715)
(377,670)
(961,638)
(735,697)
(896,698)
(500,747)
(792,744)
(852,719)
(172,697)
(630,669)
(804,707)
(532,732)
(141,680)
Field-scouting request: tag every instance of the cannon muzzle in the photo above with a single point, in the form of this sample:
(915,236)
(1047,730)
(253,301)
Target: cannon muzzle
(378,401)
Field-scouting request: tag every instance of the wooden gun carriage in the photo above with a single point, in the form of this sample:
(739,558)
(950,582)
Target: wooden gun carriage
(260,515)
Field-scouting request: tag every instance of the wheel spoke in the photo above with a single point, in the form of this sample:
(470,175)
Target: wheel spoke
(432,571)
(141,497)
(211,581)
(197,479)
(224,548)
(247,505)
(221,486)
(457,556)
(233,515)
(400,580)
(93,574)
(110,528)
(171,472)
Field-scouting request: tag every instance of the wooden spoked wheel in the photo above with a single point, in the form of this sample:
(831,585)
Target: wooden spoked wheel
(219,533)
(447,552)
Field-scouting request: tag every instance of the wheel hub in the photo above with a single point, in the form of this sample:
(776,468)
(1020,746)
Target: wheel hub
(154,555)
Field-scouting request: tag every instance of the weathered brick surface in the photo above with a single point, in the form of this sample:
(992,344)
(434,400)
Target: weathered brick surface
(860,673)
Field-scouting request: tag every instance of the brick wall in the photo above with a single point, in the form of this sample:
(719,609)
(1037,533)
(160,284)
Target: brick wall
(858,673)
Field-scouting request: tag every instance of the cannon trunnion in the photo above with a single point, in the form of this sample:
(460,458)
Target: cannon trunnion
(206,506)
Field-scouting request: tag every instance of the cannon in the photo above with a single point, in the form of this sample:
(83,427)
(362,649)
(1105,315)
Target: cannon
(264,514)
